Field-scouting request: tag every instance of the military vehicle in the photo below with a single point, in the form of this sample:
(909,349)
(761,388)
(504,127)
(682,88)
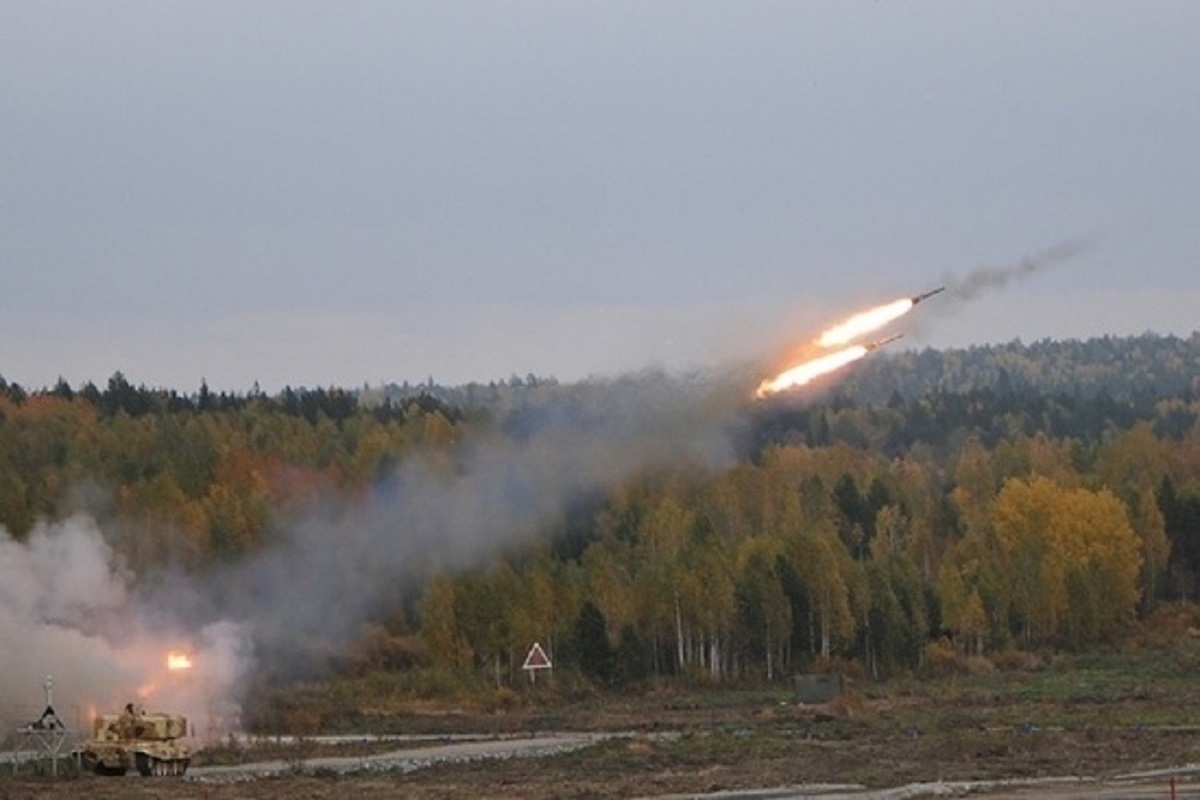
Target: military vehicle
(135,739)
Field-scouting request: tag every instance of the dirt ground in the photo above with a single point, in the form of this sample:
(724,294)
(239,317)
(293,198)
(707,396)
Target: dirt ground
(665,750)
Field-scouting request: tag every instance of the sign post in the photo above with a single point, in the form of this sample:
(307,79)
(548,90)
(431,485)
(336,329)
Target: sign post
(537,659)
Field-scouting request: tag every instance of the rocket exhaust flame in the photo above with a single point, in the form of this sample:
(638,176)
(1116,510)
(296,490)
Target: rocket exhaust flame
(840,335)
(865,322)
(811,370)
(807,372)
(872,320)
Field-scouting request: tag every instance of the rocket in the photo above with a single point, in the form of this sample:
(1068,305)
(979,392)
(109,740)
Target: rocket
(928,295)
(882,342)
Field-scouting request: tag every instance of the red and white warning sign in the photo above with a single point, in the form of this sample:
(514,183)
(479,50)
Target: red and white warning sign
(537,658)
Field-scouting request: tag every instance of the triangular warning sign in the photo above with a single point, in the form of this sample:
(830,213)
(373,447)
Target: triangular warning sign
(537,658)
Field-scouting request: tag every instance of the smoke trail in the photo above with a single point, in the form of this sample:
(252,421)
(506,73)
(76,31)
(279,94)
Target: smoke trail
(332,571)
(981,281)
(68,606)
(69,609)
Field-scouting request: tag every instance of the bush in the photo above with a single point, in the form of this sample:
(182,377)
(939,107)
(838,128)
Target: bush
(1165,627)
(1013,660)
(502,699)
(849,668)
(940,660)
(979,665)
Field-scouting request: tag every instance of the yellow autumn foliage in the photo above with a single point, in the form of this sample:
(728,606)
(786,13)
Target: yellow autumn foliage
(1070,555)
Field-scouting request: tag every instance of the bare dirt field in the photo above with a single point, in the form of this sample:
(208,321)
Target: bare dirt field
(1089,730)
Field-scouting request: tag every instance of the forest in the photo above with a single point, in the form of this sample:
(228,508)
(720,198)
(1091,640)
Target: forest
(927,508)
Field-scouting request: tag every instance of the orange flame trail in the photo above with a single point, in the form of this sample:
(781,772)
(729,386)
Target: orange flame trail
(865,322)
(840,336)
(810,370)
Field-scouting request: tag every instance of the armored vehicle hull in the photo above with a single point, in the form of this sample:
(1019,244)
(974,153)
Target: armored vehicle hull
(148,742)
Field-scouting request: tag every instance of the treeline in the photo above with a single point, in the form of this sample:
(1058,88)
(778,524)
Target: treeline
(120,396)
(193,480)
(1140,368)
(901,534)
(944,421)
(1128,367)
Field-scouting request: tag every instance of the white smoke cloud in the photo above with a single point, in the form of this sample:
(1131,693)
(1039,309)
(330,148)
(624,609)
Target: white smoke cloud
(61,576)
(70,610)
(331,572)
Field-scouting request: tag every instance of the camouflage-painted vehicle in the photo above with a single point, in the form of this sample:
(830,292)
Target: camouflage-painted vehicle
(135,739)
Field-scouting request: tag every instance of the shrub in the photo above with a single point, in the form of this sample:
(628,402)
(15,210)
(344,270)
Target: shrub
(940,660)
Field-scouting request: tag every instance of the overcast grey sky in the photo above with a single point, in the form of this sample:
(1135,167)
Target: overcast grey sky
(357,192)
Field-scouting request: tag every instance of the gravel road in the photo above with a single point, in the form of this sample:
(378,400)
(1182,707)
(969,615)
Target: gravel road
(407,759)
